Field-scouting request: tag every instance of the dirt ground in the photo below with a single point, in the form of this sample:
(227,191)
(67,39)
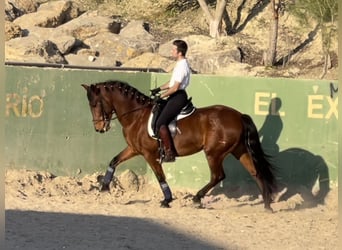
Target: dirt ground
(48,212)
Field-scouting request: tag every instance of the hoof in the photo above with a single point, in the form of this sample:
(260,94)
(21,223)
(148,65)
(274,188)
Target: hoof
(104,187)
(199,206)
(196,199)
(268,209)
(165,204)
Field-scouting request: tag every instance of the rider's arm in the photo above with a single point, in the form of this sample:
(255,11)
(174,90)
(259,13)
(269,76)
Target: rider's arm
(165,86)
(171,90)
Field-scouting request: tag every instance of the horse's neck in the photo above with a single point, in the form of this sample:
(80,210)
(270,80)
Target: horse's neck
(128,111)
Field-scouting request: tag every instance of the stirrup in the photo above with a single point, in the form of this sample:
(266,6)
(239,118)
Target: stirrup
(169,158)
(163,157)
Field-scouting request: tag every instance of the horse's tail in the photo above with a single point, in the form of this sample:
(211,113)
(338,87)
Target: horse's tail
(263,167)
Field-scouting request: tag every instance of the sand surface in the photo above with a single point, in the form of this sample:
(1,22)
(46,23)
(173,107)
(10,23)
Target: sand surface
(48,212)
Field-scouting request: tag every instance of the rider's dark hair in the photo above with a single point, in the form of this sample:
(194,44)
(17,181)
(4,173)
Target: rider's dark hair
(182,47)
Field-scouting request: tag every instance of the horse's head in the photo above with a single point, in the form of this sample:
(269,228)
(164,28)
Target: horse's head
(100,109)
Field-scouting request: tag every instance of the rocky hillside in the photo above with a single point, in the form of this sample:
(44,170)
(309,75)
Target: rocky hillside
(138,33)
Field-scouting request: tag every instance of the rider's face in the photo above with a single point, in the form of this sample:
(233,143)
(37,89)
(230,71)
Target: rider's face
(174,52)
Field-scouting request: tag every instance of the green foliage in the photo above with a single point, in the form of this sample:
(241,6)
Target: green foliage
(322,11)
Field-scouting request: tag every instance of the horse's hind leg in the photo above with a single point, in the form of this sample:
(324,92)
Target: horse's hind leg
(216,175)
(247,161)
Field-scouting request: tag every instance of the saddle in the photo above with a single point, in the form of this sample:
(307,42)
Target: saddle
(186,111)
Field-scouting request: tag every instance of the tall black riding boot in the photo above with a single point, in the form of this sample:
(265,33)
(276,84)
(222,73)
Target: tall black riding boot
(169,150)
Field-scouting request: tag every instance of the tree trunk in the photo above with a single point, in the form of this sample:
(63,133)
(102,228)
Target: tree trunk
(215,22)
(214,28)
(326,43)
(271,53)
(205,8)
(326,64)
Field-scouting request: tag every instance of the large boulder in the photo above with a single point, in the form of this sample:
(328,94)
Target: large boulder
(16,8)
(151,60)
(110,49)
(50,14)
(33,50)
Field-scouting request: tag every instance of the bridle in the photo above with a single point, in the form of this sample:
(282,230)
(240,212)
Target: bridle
(105,116)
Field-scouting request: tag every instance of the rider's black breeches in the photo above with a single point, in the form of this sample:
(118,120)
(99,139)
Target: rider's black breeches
(174,105)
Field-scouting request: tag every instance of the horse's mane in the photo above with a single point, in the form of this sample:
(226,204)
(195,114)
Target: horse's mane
(126,90)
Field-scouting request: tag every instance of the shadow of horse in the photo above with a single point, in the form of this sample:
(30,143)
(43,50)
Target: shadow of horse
(303,172)
(297,170)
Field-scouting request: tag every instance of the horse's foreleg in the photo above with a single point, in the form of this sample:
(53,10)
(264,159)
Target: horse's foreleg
(159,173)
(124,155)
(167,194)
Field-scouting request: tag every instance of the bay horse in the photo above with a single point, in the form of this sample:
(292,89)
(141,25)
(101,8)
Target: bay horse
(217,130)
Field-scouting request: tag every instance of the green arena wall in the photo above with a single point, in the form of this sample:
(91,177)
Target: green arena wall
(48,125)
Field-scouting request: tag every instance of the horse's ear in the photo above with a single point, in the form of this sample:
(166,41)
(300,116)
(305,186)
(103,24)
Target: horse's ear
(94,89)
(86,87)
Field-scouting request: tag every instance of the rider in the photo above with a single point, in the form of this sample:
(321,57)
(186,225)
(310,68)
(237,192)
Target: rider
(177,97)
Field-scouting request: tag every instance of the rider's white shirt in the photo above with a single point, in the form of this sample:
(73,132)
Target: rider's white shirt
(181,73)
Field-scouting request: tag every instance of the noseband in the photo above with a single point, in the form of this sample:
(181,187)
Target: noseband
(105,117)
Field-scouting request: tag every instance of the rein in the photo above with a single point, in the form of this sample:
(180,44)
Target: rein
(104,115)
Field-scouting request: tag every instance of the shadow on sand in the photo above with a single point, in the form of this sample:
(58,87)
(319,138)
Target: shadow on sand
(45,230)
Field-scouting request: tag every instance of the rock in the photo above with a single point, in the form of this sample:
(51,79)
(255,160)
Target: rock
(82,58)
(11,12)
(64,43)
(50,52)
(136,29)
(16,8)
(50,14)
(91,58)
(59,32)
(85,26)
(12,31)
(32,50)
(151,60)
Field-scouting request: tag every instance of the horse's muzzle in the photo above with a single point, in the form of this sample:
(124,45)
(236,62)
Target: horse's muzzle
(105,128)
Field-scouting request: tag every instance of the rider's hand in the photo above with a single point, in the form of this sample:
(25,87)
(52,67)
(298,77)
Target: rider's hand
(155,91)
(158,100)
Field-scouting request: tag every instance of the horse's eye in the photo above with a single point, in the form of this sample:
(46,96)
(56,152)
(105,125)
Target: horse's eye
(93,104)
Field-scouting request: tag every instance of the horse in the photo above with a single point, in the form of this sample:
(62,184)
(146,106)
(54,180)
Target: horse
(220,130)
